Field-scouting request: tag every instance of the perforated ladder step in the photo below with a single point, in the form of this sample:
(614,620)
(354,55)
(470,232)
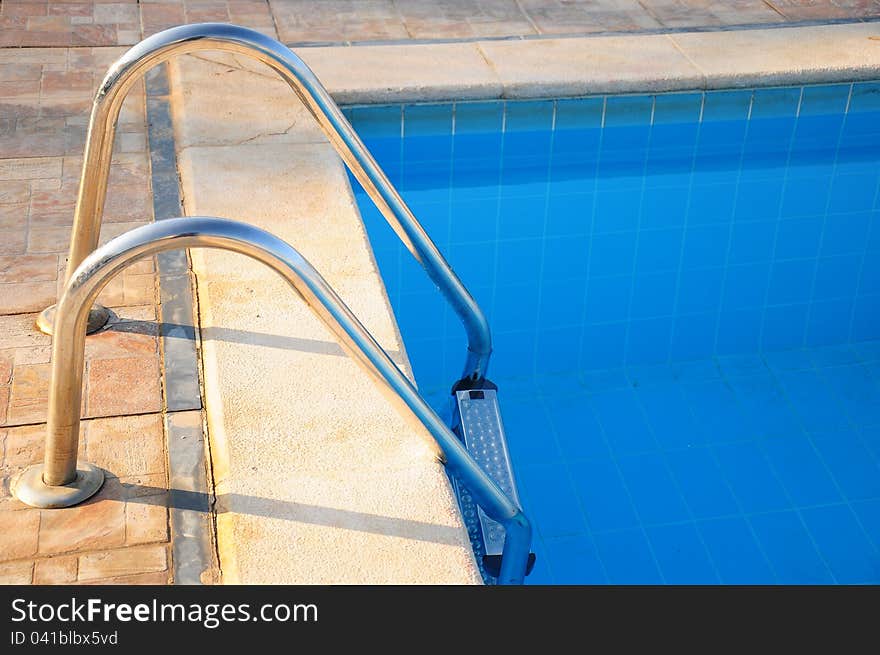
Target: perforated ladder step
(479,425)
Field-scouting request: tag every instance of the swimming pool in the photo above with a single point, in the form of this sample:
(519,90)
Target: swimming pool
(683,291)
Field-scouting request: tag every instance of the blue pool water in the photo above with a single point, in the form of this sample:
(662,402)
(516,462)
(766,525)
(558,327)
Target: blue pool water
(683,291)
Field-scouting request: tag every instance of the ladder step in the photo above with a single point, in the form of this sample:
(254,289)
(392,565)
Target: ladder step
(479,425)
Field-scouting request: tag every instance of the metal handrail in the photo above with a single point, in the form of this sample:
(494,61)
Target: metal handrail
(60,481)
(160,47)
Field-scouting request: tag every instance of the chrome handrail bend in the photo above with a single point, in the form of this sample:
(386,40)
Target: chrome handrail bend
(60,481)
(135,63)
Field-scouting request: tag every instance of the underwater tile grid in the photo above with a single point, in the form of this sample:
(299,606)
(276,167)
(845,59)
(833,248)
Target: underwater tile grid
(683,290)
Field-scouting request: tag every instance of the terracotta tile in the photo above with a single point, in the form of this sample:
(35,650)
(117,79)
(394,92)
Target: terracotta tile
(18,538)
(30,268)
(96,524)
(128,561)
(145,522)
(6,360)
(117,342)
(24,446)
(26,296)
(14,191)
(29,399)
(55,570)
(127,446)
(13,216)
(16,572)
(158,578)
(50,238)
(4,404)
(122,386)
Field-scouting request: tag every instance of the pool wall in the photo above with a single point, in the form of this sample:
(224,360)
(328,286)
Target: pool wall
(632,230)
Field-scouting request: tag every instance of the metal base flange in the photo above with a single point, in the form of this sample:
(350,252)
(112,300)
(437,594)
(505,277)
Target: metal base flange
(30,489)
(98,317)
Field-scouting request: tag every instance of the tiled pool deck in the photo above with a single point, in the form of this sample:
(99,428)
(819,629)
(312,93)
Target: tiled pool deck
(52,55)
(41,23)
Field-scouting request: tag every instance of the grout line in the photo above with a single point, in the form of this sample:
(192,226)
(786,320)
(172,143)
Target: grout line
(192,543)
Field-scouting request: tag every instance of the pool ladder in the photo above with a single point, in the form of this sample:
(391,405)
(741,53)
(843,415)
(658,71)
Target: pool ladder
(475,451)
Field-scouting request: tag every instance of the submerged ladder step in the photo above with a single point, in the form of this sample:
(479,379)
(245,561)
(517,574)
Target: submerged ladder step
(479,425)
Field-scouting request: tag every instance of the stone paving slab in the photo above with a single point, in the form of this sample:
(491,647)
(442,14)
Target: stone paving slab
(61,23)
(119,536)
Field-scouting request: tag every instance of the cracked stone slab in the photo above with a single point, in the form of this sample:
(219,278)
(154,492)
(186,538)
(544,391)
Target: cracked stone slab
(262,109)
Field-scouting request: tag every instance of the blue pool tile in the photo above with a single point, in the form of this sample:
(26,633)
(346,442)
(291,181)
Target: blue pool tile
(603,495)
(750,477)
(427,120)
(701,482)
(737,556)
(824,326)
(693,336)
(871,439)
(853,193)
(705,246)
(541,573)
(648,341)
(845,234)
(616,210)
(775,102)
(529,430)
(790,281)
(653,295)
(784,326)
(603,346)
(608,298)
(670,418)
(612,254)
(758,198)
(739,331)
(837,276)
(622,420)
(711,203)
(677,108)
(835,355)
(476,117)
(659,250)
(798,238)
(801,470)
(727,106)
(717,411)
(865,97)
(857,390)
(575,561)
(377,121)
(681,554)
(825,99)
(627,558)
(868,513)
(843,544)
(700,291)
(664,206)
(628,110)
(522,217)
(805,196)
(767,406)
(529,115)
(551,496)
(790,549)
(789,360)
(579,113)
(852,465)
(746,285)
(577,428)
(814,401)
(752,242)
(654,493)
